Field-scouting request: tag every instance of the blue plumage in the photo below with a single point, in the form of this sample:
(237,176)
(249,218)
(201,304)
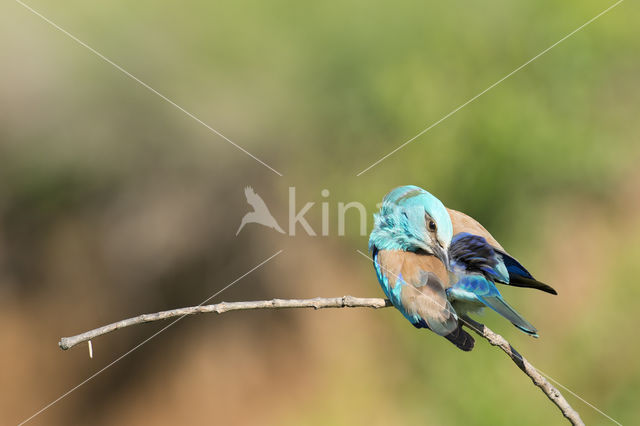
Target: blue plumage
(402,222)
(476,266)
(472,253)
(520,277)
(514,267)
(431,275)
(409,242)
(475,289)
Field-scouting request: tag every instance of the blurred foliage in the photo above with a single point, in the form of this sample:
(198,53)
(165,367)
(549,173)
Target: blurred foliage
(113,202)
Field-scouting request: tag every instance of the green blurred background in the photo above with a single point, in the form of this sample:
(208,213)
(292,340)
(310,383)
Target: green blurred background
(114,203)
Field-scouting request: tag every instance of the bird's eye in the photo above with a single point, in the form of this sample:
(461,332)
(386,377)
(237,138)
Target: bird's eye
(432,226)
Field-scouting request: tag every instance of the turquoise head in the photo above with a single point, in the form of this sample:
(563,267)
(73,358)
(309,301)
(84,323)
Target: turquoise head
(411,219)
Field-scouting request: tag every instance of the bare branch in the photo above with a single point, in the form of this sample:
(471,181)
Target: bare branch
(220,308)
(336,302)
(538,379)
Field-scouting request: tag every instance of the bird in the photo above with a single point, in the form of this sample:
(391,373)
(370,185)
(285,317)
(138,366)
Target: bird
(260,213)
(437,265)
(409,244)
(476,262)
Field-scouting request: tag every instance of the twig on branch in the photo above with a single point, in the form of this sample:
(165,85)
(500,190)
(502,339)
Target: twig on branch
(335,302)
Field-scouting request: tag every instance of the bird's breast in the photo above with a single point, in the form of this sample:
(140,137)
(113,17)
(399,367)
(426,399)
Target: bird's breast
(410,266)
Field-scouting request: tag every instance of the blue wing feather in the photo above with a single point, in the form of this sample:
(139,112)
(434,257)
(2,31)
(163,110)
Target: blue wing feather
(520,277)
(515,268)
(470,253)
(477,288)
(477,265)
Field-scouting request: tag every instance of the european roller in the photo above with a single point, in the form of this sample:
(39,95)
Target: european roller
(410,241)
(434,264)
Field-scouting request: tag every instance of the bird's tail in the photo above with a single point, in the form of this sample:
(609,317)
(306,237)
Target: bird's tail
(461,339)
(500,306)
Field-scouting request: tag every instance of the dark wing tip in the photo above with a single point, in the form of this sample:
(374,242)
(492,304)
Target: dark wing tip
(518,281)
(520,277)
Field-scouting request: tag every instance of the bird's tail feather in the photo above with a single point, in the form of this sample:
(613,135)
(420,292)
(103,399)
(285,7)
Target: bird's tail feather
(461,339)
(500,306)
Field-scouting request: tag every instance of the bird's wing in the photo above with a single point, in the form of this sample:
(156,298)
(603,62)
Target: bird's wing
(254,199)
(476,287)
(415,284)
(470,253)
(518,276)
(464,223)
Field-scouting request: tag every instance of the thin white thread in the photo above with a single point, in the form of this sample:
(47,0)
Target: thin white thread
(516,354)
(142,83)
(491,87)
(577,396)
(46,407)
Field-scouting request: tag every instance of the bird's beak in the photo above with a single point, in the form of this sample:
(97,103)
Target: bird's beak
(441,254)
